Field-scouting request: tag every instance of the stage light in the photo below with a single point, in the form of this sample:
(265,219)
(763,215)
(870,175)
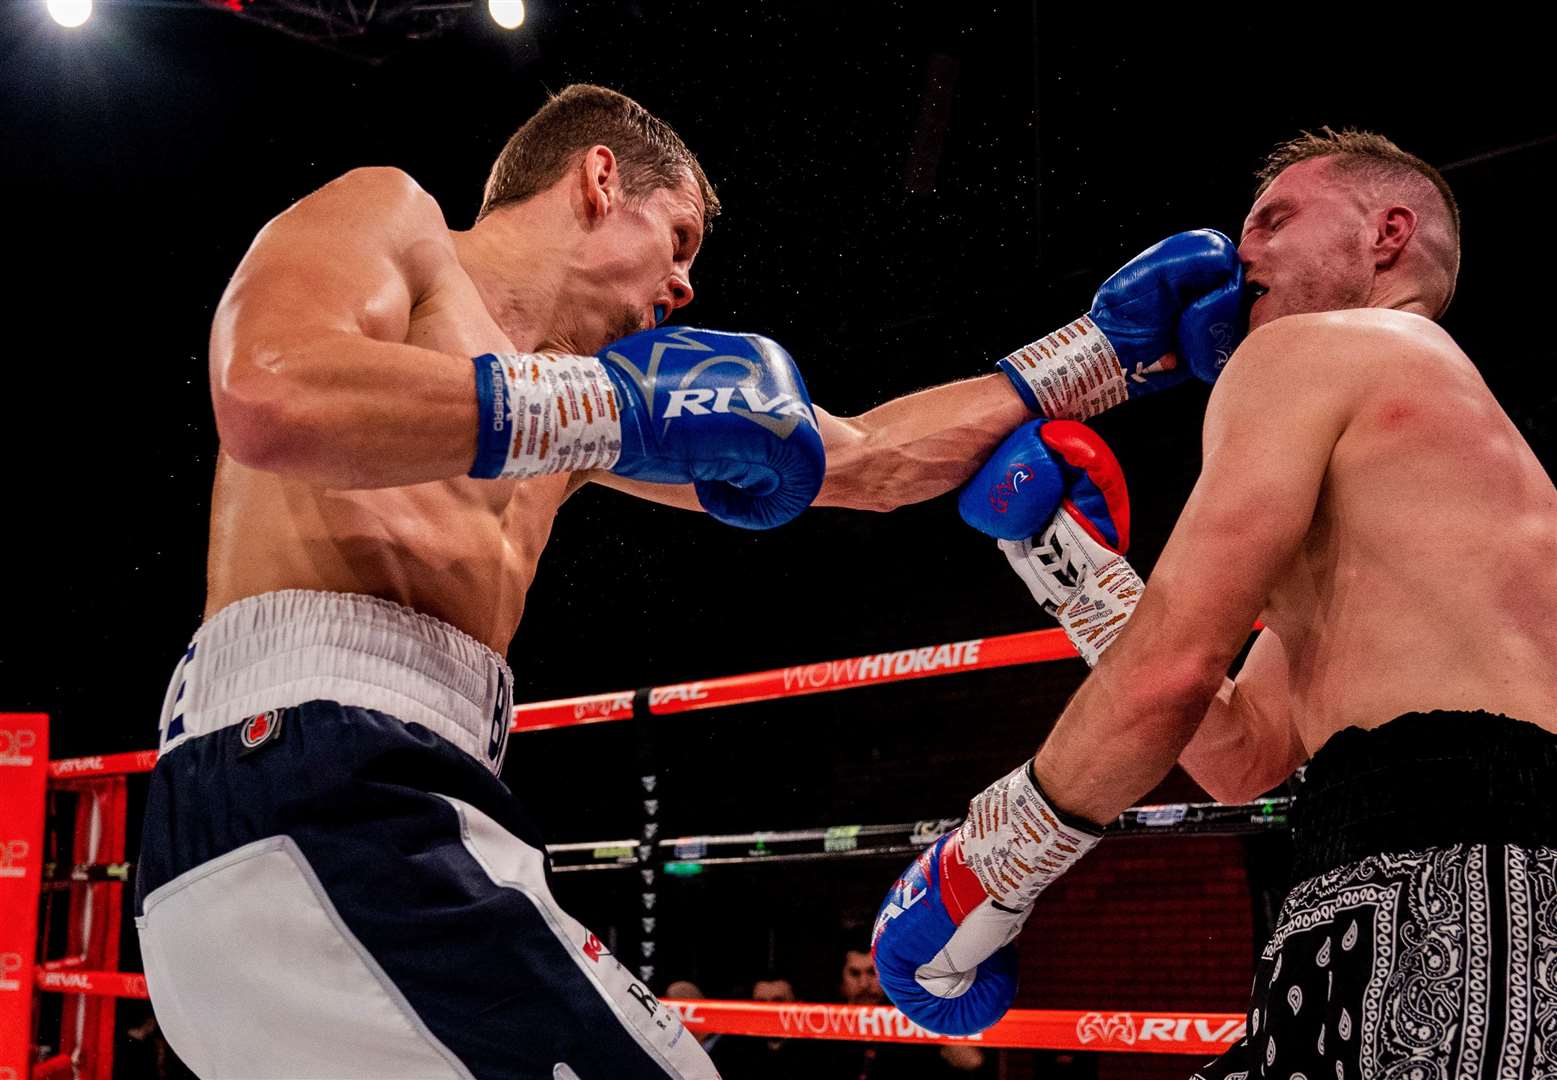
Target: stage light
(70,13)
(509,14)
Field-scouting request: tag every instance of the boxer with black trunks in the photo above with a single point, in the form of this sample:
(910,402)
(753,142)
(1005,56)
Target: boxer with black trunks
(333,881)
(1364,495)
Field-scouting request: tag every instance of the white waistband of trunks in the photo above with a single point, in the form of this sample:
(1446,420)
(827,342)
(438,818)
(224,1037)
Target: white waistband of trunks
(280,649)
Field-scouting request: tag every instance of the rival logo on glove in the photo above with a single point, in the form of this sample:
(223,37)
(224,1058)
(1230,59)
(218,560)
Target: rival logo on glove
(1002,493)
(684,401)
(1224,339)
(901,898)
(702,401)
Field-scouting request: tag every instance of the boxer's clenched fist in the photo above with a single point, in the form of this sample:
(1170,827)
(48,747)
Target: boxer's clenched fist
(1173,311)
(727,413)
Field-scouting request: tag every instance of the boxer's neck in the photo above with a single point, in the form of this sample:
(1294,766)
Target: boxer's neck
(1404,293)
(515,257)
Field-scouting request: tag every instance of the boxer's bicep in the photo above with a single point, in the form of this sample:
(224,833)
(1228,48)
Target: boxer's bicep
(1248,742)
(311,375)
(348,259)
(1271,425)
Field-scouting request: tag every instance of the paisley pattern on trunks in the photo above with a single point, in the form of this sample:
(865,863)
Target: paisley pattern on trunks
(1539,908)
(1439,964)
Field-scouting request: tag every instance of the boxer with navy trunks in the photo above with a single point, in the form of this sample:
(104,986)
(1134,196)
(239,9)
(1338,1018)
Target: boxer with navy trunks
(334,881)
(1362,494)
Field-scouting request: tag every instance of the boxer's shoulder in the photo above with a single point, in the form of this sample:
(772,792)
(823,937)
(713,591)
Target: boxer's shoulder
(372,191)
(1348,338)
(376,208)
(1298,368)
(1336,357)
(362,249)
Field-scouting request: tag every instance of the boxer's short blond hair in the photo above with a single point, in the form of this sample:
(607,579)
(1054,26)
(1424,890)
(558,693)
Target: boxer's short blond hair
(649,153)
(1362,153)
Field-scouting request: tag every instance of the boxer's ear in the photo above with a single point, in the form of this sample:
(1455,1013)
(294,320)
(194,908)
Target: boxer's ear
(598,181)
(1395,228)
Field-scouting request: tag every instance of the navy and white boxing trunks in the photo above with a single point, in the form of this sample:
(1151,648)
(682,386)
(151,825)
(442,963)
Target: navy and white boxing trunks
(334,883)
(1421,940)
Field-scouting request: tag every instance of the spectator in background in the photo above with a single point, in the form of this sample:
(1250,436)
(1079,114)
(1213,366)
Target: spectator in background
(841,1060)
(857,982)
(745,1057)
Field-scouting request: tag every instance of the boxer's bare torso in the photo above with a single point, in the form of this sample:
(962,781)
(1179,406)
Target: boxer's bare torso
(463,551)
(1428,575)
(1415,542)
(459,549)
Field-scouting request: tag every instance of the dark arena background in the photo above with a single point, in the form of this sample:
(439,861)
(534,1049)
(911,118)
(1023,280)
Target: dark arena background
(910,192)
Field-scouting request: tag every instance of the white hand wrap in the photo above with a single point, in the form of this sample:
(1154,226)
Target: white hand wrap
(544,413)
(1015,843)
(1073,373)
(1088,588)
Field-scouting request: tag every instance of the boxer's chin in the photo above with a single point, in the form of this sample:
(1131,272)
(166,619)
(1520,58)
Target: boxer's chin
(623,324)
(614,326)
(1268,308)
(1261,312)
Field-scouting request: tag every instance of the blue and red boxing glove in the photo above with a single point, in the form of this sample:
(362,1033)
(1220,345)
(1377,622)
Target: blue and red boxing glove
(1041,467)
(942,941)
(727,413)
(1174,311)
(1054,496)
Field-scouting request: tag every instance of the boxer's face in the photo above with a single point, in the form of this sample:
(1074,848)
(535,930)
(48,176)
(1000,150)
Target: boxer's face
(1306,241)
(639,257)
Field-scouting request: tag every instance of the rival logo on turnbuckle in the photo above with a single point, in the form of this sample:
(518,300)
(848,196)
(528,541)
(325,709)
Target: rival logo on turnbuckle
(256,731)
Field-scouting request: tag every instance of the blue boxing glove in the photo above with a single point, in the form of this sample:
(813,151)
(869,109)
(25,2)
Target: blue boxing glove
(1039,467)
(942,942)
(727,413)
(1173,311)
(1054,495)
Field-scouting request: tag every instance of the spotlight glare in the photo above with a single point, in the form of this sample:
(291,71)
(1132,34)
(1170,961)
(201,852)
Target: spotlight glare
(70,13)
(509,14)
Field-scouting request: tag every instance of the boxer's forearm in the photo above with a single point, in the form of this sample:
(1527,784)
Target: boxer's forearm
(346,411)
(916,447)
(1113,745)
(1121,733)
